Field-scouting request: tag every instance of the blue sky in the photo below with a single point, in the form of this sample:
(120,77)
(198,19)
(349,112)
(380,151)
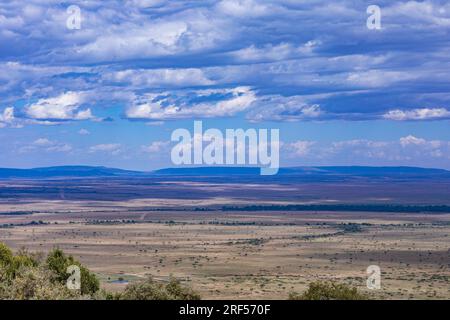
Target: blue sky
(111,92)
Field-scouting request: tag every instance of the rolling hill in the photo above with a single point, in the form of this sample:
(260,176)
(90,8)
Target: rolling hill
(305,172)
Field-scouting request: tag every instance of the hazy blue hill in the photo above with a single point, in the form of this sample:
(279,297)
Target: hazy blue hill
(84,170)
(354,170)
(347,185)
(65,171)
(208,171)
(304,173)
(307,171)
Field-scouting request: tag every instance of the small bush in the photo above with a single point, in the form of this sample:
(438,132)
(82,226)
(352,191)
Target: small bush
(6,255)
(58,262)
(10,263)
(151,290)
(34,284)
(25,276)
(328,291)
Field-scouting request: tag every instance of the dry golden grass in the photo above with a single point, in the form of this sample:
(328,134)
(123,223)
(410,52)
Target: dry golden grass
(224,255)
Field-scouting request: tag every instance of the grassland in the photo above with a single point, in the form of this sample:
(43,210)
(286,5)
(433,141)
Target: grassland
(126,228)
(244,255)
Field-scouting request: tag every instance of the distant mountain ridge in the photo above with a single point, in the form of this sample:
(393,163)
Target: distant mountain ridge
(345,170)
(93,171)
(65,171)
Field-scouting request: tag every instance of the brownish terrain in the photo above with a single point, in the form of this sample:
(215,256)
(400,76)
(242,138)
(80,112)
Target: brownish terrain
(244,237)
(244,255)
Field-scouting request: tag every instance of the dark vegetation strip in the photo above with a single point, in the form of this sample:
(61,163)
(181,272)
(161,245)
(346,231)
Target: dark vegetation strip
(292,207)
(346,207)
(345,228)
(17,213)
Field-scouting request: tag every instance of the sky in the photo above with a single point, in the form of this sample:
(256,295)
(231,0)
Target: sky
(109,88)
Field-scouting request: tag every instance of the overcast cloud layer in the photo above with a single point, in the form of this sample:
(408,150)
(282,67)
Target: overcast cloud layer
(155,64)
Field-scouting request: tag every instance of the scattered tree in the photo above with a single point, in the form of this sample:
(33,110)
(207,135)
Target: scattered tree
(149,289)
(23,276)
(320,290)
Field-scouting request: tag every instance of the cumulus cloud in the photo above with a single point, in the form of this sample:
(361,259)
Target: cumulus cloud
(84,132)
(42,142)
(155,147)
(418,114)
(66,106)
(272,52)
(378,78)
(408,150)
(45,144)
(279,48)
(112,148)
(7,117)
(279,108)
(160,78)
(151,40)
(427,12)
(60,148)
(414,141)
(159,60)
(366,152)
(359,143)
(200,104)
(299,148)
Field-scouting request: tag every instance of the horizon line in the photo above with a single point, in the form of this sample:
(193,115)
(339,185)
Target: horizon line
(222,167)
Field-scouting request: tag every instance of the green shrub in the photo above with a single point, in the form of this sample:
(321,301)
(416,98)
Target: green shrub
(328,291)
(25,276)
(6,255)
(58,262)
(11,263)
(179,292)
(35,283)
(149,289)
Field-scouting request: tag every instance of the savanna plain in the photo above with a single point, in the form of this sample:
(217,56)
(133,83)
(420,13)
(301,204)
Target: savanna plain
(232,254)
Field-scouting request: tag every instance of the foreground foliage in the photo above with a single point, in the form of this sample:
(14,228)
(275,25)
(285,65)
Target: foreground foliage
(27,276)
(320,290)
(152,290)
(24,276)
(58,262)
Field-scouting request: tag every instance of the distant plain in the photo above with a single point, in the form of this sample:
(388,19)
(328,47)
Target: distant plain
(126,228)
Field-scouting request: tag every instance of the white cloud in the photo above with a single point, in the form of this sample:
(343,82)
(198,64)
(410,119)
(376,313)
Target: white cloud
(155,123)
(140,34)
(378,78)
(157,107)
(60,148)
(46,145)
(128,41)
(113,148)
(360,143)
(244,8)
(299,148)
(417,114)
(42,142)
(282,48)
(414,141)
(426,12)
(271,52)
(160,77)
(63,107)
(279,108)
(84,132)
(405,149)
(7,117)
(155,147)
(411,140)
